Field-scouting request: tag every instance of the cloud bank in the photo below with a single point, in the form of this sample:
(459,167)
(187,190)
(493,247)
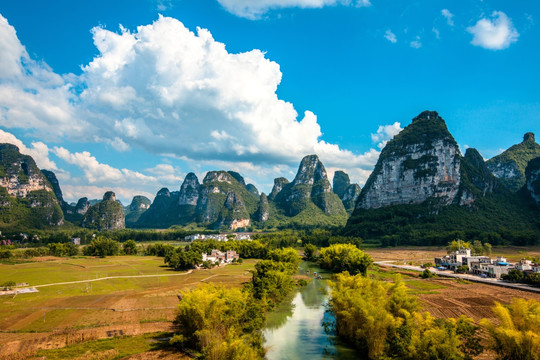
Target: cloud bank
(494,33)
(165,90)
(254,9)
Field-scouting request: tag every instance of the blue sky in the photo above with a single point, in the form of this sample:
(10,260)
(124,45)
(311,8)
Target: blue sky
(131,96)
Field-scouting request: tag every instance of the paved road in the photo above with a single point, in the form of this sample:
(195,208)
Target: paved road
(451,274)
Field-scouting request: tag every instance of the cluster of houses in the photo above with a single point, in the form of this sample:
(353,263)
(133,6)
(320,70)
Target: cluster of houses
(218,237)
(221,257)
(483,266)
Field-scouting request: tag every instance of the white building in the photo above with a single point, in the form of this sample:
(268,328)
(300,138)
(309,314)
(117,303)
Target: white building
(220,256)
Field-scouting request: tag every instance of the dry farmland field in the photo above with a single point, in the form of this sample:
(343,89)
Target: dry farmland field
(444,297)
(117,310)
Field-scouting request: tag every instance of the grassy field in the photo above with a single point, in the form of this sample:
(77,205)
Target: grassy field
(65,315)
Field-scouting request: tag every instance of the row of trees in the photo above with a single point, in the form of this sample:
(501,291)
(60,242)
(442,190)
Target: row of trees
(382,321)
(518,276)
(227,323)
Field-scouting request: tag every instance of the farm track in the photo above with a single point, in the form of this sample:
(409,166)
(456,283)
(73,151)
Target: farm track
(110,278)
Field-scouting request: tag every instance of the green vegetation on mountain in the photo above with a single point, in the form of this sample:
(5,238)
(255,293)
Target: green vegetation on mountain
(482,208)
(510,165)
(105,215)
(27,200)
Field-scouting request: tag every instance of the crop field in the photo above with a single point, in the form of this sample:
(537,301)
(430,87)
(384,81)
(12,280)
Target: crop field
(444,297)
(68,314)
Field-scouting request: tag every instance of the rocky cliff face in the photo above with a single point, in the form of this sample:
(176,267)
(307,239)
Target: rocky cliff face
(19,174)
(26,196)
(189,191)
(351,194)
(51,177)
(421,162)
(139,204)
(233,214)
(105,215)
(263,211)
(347,192)
(509,166)
(252,189)
(340,183)
(310,185)
(279,183)
(532,174)
(82,206)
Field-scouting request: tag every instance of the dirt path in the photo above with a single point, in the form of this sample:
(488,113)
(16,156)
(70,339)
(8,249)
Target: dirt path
(111,277)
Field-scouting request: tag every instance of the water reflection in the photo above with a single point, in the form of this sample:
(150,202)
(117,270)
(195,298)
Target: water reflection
(294,330)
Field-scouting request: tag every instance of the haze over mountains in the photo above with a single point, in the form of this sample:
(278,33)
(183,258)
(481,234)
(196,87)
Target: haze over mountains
(421,183)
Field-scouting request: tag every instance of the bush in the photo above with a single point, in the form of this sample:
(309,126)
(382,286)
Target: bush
(130,247)
(516,335)
(8,285)
(382,321)
(220,323)
(426,274)
(344,257)
(102,247)
(462,269)
(513,275)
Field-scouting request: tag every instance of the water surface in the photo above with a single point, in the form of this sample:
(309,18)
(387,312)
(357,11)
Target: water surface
(295,329)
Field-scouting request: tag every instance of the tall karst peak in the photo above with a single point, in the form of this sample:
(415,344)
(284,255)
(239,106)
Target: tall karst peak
(27,198)
(164,192)
(310,171)
(109,195)
(532,174)
(509,166)
(218,176)
(421,162)
(105,215)
(139,203)
(310,186)
(279,183)
(189,191)
(340,183)
(237,176)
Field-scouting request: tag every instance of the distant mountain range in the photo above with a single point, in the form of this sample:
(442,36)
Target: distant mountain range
(420,185)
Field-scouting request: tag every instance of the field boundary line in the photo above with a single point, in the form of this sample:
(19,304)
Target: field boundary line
(110,278)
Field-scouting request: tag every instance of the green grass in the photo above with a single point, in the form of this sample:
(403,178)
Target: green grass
(121,347)
(75,269)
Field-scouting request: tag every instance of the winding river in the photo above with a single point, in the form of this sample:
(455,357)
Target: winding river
(295,329)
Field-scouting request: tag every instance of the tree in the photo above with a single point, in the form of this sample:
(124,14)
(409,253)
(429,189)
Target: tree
(426,274)
(102,247)
(309,252)
(462,269)
(513,275)
(455,245)
(130,247)
(344,257)
(382,320)
(516,335)
(221,323)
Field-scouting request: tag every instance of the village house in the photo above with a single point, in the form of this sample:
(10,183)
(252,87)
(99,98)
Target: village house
(217,237)
(478,265)
(220,256)
(76,241)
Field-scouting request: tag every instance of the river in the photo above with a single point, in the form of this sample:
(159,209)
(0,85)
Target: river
(295,329)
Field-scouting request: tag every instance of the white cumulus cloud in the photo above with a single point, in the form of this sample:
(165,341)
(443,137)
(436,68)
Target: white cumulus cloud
(390,36)
(494,33)
(385,133)
(449,16)
(39,150)
(254,9)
